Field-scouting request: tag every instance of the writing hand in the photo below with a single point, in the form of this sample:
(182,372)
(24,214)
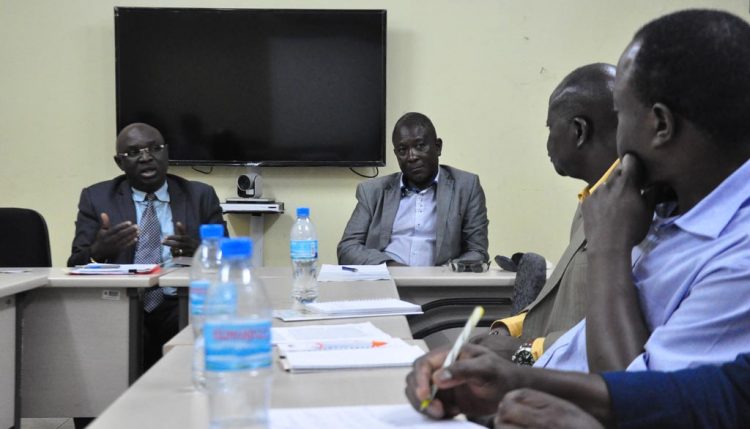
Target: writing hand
(111,240)
(181,243)
(473,385)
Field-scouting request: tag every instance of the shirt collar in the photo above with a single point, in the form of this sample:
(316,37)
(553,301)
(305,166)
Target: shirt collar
(714,212)
(589,189)
(162,194)
(405,189)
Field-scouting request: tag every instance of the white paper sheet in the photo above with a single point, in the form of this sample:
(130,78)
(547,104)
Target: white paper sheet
(363,417)
(327,332)
(335,273)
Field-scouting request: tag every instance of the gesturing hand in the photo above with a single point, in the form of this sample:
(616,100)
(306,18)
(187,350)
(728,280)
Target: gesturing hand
(617,215)
(181,243)
(111,240)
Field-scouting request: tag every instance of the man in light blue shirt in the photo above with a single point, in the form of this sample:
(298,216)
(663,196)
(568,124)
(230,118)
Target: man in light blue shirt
(672,291)
(425,215)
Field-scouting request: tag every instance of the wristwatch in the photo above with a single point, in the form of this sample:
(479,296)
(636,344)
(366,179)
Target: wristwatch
(523,355)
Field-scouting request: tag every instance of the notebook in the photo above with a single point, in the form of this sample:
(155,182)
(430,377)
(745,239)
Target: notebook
(390,306)
(399,354)
(348,331)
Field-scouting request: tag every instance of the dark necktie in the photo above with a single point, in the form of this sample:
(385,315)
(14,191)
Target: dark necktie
(148,250)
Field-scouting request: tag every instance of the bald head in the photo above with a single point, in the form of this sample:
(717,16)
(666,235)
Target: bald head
(142,156)
(583,123)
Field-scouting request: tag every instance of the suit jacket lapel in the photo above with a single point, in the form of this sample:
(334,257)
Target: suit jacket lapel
(177,203)
(576,241)
(444,197)
(391,201)
(124,202)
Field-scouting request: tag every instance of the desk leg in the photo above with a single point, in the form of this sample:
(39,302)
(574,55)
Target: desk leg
(183,310)
(135,335)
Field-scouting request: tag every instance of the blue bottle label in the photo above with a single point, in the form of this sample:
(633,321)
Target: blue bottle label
(303,249)
(198,289)
(237,345)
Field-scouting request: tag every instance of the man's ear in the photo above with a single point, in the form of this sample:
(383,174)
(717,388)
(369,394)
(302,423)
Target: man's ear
(581,129)
(439,146)
(662,123)
(118,161)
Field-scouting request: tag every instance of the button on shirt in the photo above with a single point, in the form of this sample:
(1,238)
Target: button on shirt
(414,228)
(692,273)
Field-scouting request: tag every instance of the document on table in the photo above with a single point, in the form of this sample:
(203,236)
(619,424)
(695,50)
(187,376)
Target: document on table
(348,331)
(343,273)
(348,310)
(396,354)
(364,417)
(111,269)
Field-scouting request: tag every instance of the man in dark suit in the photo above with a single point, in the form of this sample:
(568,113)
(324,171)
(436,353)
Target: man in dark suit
(144,216)
(425,215)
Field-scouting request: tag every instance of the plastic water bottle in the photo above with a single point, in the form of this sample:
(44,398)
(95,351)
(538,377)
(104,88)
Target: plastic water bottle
(203,271)
(238,343)
(303,243)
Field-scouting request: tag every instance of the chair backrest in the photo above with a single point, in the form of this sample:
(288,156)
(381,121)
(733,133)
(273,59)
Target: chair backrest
(24,239)
(530,278)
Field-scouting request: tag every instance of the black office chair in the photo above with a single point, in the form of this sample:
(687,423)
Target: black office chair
(24,239)
(530,278)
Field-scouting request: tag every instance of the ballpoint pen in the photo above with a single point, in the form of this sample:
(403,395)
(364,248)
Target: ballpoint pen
(352,269)
(453,353)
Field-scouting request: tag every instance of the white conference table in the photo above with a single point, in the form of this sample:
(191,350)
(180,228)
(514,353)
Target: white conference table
(444,295)
(13,283)
(164,398)
(81,342)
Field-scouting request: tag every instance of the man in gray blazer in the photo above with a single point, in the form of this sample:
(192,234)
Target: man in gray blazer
(423,216)
(581,144)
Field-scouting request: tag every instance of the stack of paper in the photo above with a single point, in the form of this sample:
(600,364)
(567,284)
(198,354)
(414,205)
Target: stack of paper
(343,273)
(332,347)
(349,309)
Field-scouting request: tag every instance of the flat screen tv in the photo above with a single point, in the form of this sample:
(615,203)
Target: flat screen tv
(267,87)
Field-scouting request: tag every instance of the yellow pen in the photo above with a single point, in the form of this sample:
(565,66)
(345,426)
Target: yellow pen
(476,315)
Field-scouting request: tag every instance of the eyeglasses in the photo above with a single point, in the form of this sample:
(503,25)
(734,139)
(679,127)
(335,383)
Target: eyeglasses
(468,266)
(421,147)
(134,154)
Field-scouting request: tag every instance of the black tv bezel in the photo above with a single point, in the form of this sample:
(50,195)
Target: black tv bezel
(274,163)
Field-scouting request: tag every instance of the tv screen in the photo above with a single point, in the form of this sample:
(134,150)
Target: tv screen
(269,87)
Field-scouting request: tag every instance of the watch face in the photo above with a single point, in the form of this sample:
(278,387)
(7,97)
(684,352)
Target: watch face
(523,356)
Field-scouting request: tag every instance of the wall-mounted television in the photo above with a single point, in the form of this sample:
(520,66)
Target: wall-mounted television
(267,87)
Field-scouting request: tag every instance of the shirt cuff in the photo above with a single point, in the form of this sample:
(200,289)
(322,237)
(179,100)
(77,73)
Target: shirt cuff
(537,348)
(513,323)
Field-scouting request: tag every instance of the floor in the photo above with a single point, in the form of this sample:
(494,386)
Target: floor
(63,423)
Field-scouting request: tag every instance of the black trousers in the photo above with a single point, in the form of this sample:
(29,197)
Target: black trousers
(159,326)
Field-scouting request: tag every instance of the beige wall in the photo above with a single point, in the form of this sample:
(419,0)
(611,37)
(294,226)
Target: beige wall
(481,69)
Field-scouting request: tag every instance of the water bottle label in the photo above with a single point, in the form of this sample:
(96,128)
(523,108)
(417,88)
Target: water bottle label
(236,345)
(198,289)
(303,249)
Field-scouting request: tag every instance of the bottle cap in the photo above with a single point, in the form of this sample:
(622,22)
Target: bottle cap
(241,247)
(212,230)
(303,212)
